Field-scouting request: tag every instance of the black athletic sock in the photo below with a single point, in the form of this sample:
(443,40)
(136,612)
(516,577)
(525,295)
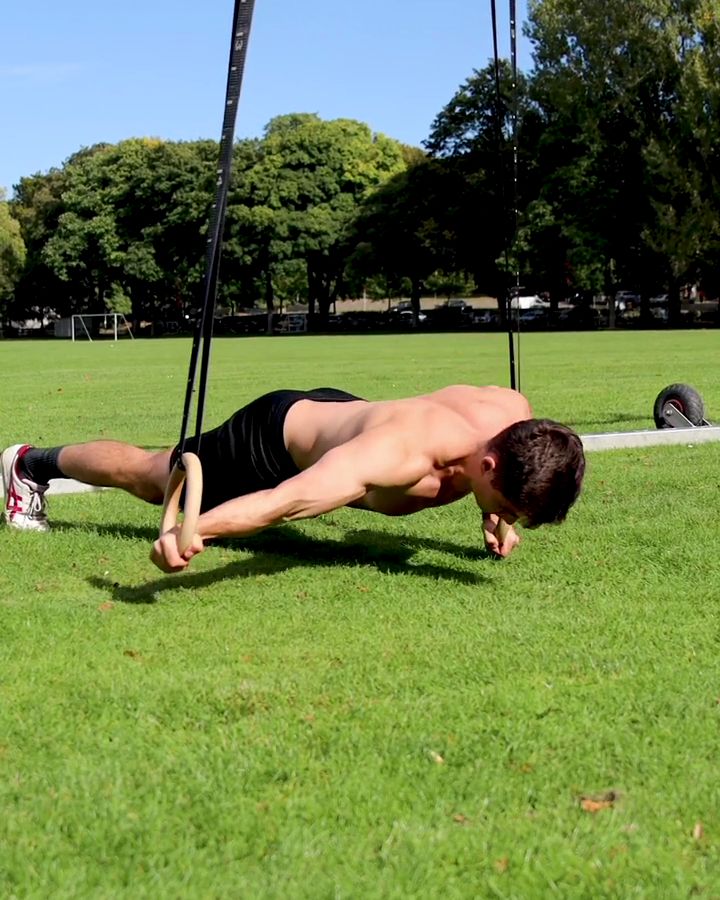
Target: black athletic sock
(40,465)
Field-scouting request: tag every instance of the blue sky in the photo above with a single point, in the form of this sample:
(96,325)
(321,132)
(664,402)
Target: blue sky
(83,71)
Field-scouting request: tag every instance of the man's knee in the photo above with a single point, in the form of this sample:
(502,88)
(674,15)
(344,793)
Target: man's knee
(151,488)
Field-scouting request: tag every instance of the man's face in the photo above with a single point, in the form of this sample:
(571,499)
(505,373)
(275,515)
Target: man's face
(489,498)
(499,505)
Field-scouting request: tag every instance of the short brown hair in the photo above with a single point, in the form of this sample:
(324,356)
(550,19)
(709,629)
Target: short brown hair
(540,468)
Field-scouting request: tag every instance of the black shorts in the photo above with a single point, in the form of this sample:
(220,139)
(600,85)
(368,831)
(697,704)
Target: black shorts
(247,453)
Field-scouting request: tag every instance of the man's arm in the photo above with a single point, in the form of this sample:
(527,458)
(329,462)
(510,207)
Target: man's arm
(378,458)
(500,538)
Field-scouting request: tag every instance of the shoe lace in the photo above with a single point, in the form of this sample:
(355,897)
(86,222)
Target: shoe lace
(36,506)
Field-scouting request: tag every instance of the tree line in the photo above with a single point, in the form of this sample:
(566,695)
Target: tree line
(596,170)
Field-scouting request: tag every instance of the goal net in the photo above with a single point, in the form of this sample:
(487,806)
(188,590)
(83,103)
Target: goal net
(99,326)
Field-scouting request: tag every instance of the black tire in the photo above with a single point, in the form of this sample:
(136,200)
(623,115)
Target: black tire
(684,398)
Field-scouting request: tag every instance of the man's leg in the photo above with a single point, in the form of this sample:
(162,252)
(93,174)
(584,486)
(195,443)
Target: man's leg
(27,470)
(142,473)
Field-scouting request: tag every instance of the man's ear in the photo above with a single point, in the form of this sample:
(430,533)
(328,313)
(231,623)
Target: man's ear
(488,464)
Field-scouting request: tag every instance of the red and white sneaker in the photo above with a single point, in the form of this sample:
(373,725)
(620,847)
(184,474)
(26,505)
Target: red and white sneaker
(25,504)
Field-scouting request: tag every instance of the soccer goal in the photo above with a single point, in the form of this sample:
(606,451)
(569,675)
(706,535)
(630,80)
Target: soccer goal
(94,326)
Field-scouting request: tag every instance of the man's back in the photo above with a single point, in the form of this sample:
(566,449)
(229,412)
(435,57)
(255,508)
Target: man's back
(447,423)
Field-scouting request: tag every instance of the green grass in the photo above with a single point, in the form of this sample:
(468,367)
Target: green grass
(358,706)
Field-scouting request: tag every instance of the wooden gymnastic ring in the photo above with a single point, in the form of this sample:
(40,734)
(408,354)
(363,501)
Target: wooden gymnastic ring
(502,529)
(189,473)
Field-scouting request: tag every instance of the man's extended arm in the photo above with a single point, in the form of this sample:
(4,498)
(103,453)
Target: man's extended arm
(379,458)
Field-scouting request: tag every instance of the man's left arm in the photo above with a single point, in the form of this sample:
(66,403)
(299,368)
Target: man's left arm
(500,538)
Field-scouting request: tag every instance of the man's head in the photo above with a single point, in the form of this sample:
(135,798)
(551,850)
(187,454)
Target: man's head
(538,467)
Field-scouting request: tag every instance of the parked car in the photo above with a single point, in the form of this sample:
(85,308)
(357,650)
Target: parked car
(404,317)
(528,301)
(578,318)
(537,315)
(625,300)
(455,304)
(452,314)
(486,317)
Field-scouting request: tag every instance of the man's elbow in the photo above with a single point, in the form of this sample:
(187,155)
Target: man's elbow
(301,509)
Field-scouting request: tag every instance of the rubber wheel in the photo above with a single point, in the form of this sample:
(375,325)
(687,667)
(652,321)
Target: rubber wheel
(684,398)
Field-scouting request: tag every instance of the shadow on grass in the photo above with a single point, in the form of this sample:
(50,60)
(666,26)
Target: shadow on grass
(359,545)
(108,529)
(285,548)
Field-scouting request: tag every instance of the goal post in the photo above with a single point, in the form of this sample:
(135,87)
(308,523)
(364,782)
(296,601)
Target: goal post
(93,326)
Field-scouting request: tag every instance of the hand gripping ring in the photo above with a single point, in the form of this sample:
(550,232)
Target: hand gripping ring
(190,473)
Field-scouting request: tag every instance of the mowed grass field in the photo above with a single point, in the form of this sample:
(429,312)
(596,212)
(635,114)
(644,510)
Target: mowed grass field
(358,706)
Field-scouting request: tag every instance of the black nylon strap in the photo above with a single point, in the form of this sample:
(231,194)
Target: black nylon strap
(509,226)
(242,21)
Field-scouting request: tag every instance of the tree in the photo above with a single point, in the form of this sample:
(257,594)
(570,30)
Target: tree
(299,199)
(590,71)
(630,108)
(37,206)
(682,154)
(477,133)
(133,216)
(12,252)
(405,229)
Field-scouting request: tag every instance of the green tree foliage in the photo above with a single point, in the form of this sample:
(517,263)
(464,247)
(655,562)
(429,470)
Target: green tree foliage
(37,206)
(407,229)
(12,252)
(628,95)
(682,151)
(601,82)
(131,219)
(479,131)
(617,175)
(300,198)
(133,216)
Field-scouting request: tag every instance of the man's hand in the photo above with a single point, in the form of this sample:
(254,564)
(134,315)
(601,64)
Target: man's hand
(500,538)
(166,553)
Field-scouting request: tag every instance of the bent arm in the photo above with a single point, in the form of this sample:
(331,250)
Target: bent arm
(302,497)
(333,481)
(378,458)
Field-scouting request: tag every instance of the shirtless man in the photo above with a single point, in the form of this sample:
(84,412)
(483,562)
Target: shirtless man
(297,454)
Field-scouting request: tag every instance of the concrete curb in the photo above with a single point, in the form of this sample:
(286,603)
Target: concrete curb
(662,437)
(70,486)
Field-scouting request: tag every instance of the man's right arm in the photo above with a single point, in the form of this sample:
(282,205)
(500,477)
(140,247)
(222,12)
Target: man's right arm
(378,458)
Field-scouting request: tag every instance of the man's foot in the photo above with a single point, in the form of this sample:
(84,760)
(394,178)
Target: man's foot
(25,505)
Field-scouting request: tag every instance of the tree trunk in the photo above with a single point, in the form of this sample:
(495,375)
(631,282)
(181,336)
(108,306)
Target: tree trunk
(322,287)
(99,298)
(674,303)
(609,291)
(269,298)
(416,287)
(312,293)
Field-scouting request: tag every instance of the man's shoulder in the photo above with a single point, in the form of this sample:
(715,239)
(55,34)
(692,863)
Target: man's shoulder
(440,431)
(490,391)
(459,396)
